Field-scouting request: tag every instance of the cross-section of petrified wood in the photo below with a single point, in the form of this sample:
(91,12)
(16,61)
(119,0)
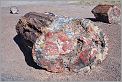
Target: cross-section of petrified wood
(107,13)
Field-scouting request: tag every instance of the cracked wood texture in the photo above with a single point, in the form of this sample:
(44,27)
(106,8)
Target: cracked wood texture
(31,25)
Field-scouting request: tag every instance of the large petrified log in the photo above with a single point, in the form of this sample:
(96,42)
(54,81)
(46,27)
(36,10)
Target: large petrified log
(63,42)
(107,13)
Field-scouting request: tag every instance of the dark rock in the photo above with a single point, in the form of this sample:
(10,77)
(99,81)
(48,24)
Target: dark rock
(107,13)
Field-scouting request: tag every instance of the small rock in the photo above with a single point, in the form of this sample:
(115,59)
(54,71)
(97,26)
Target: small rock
(85,69)
(107,13)
(14,10)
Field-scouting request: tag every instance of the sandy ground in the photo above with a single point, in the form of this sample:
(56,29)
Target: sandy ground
(16,64)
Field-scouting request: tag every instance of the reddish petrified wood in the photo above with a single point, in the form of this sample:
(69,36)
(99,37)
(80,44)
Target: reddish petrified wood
(107,13)
(63,42)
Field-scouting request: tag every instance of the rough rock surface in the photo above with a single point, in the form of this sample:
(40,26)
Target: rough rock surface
(14,10)
(63,42)
(31,25)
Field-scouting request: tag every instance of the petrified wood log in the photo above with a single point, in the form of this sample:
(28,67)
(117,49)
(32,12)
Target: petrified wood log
(107,13)
(63,42)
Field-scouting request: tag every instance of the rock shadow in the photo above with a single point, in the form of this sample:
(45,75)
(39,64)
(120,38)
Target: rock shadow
(26,47)
(98,20)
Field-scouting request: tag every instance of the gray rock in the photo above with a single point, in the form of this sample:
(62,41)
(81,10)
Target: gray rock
(14,10)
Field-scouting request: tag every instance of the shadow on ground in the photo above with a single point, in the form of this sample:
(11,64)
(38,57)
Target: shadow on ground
(98,20)
(26,47)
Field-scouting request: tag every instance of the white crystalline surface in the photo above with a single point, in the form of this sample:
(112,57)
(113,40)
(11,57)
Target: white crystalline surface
(13,10)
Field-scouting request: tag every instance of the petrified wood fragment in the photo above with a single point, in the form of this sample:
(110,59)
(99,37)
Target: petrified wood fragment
(107,13)
(14,10)
(31,25)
